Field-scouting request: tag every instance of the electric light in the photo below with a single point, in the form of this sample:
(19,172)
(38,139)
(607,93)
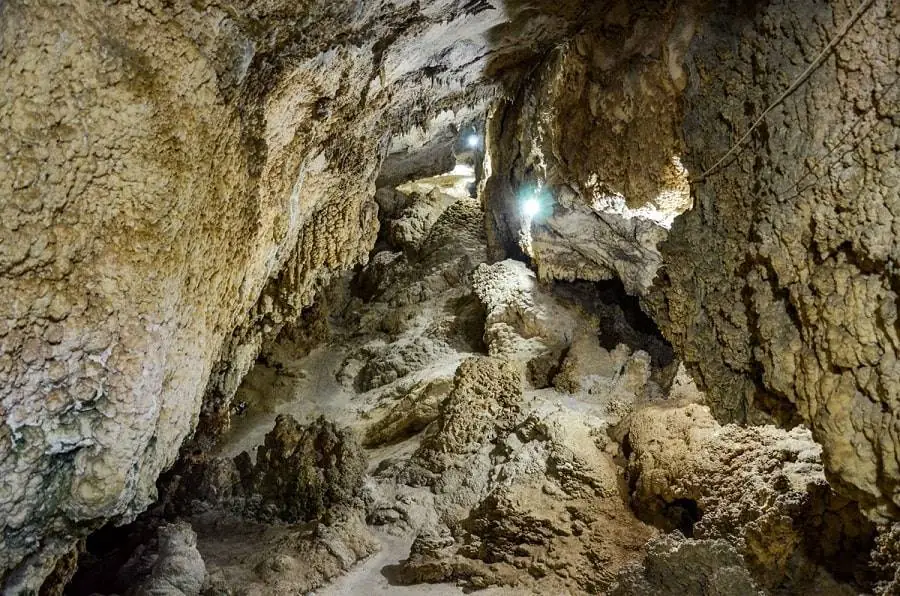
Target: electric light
(531,207)
(473,141)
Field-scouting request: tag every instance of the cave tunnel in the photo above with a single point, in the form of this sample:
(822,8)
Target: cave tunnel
(346,297)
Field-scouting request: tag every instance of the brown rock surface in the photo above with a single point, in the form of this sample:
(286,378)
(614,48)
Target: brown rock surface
(181,180)
(761,488)
(178,181)
(594,134)
(780,288)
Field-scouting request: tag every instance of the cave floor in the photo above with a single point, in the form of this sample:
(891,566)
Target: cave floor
(512,437)
(421,320)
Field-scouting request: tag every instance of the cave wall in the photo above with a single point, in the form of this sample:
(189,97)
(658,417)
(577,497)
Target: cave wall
(780,287)
(596,127)
(148,196)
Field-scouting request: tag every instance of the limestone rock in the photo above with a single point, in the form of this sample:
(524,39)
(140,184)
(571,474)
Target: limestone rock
(886,559)
(676,566)
(178,181)
(302,471)
(584,244)
(594,138)
(486,393)
(409,415)
(590,368)
(292,519)
(385,364)
(761,488)
(407,231)
(245,557)
(179,569)
(522,321)
(551,516)
(779,289)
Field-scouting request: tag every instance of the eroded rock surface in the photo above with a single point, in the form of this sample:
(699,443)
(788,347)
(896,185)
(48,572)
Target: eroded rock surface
(181,182)
(290,519)
(761,488)
(676,566)
(593,137)
(179,569)
(780,288)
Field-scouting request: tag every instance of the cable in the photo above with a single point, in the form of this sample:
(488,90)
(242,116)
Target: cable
(864,5)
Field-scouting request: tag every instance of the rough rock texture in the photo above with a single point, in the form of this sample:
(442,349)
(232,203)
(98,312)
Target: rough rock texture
(594,137)
(761,488)
(484,399)
(288,521)
(486,470)
(302,471)
(481,479)
(178,179)
(620,318)
(250,558)
(675,566)
(886,559)
(432,149)
(780,288)
(521,492)
(409,415)
(521,322)
(525,497)
(179,569)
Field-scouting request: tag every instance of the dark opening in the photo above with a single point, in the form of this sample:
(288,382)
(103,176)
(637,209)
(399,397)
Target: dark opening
(622,321)
(682,514)
(105,554)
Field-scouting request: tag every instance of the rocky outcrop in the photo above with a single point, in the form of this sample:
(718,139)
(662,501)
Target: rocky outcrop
(280,560)
(526,497)
(302,472)
(779,289)
(290,517)
(178,569)
(761,488)
(886,559)
(180,180)
(485,398)
(593,139)
(409,415)
(675,566)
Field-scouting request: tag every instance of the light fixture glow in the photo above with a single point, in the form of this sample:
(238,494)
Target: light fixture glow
(473,141)
(531,207)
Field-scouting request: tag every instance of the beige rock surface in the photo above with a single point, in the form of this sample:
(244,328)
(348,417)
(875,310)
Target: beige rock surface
(780,288)
(594,135)
(179,569)
(761,488)
(678,567)
(181,180)
(476,479)
(550,516)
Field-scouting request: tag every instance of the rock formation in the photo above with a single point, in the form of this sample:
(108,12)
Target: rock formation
(594,138)
(178,182)
(761,488)
(778,289)
(285,284)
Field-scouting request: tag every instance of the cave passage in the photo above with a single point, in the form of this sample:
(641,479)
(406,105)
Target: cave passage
(449,296)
